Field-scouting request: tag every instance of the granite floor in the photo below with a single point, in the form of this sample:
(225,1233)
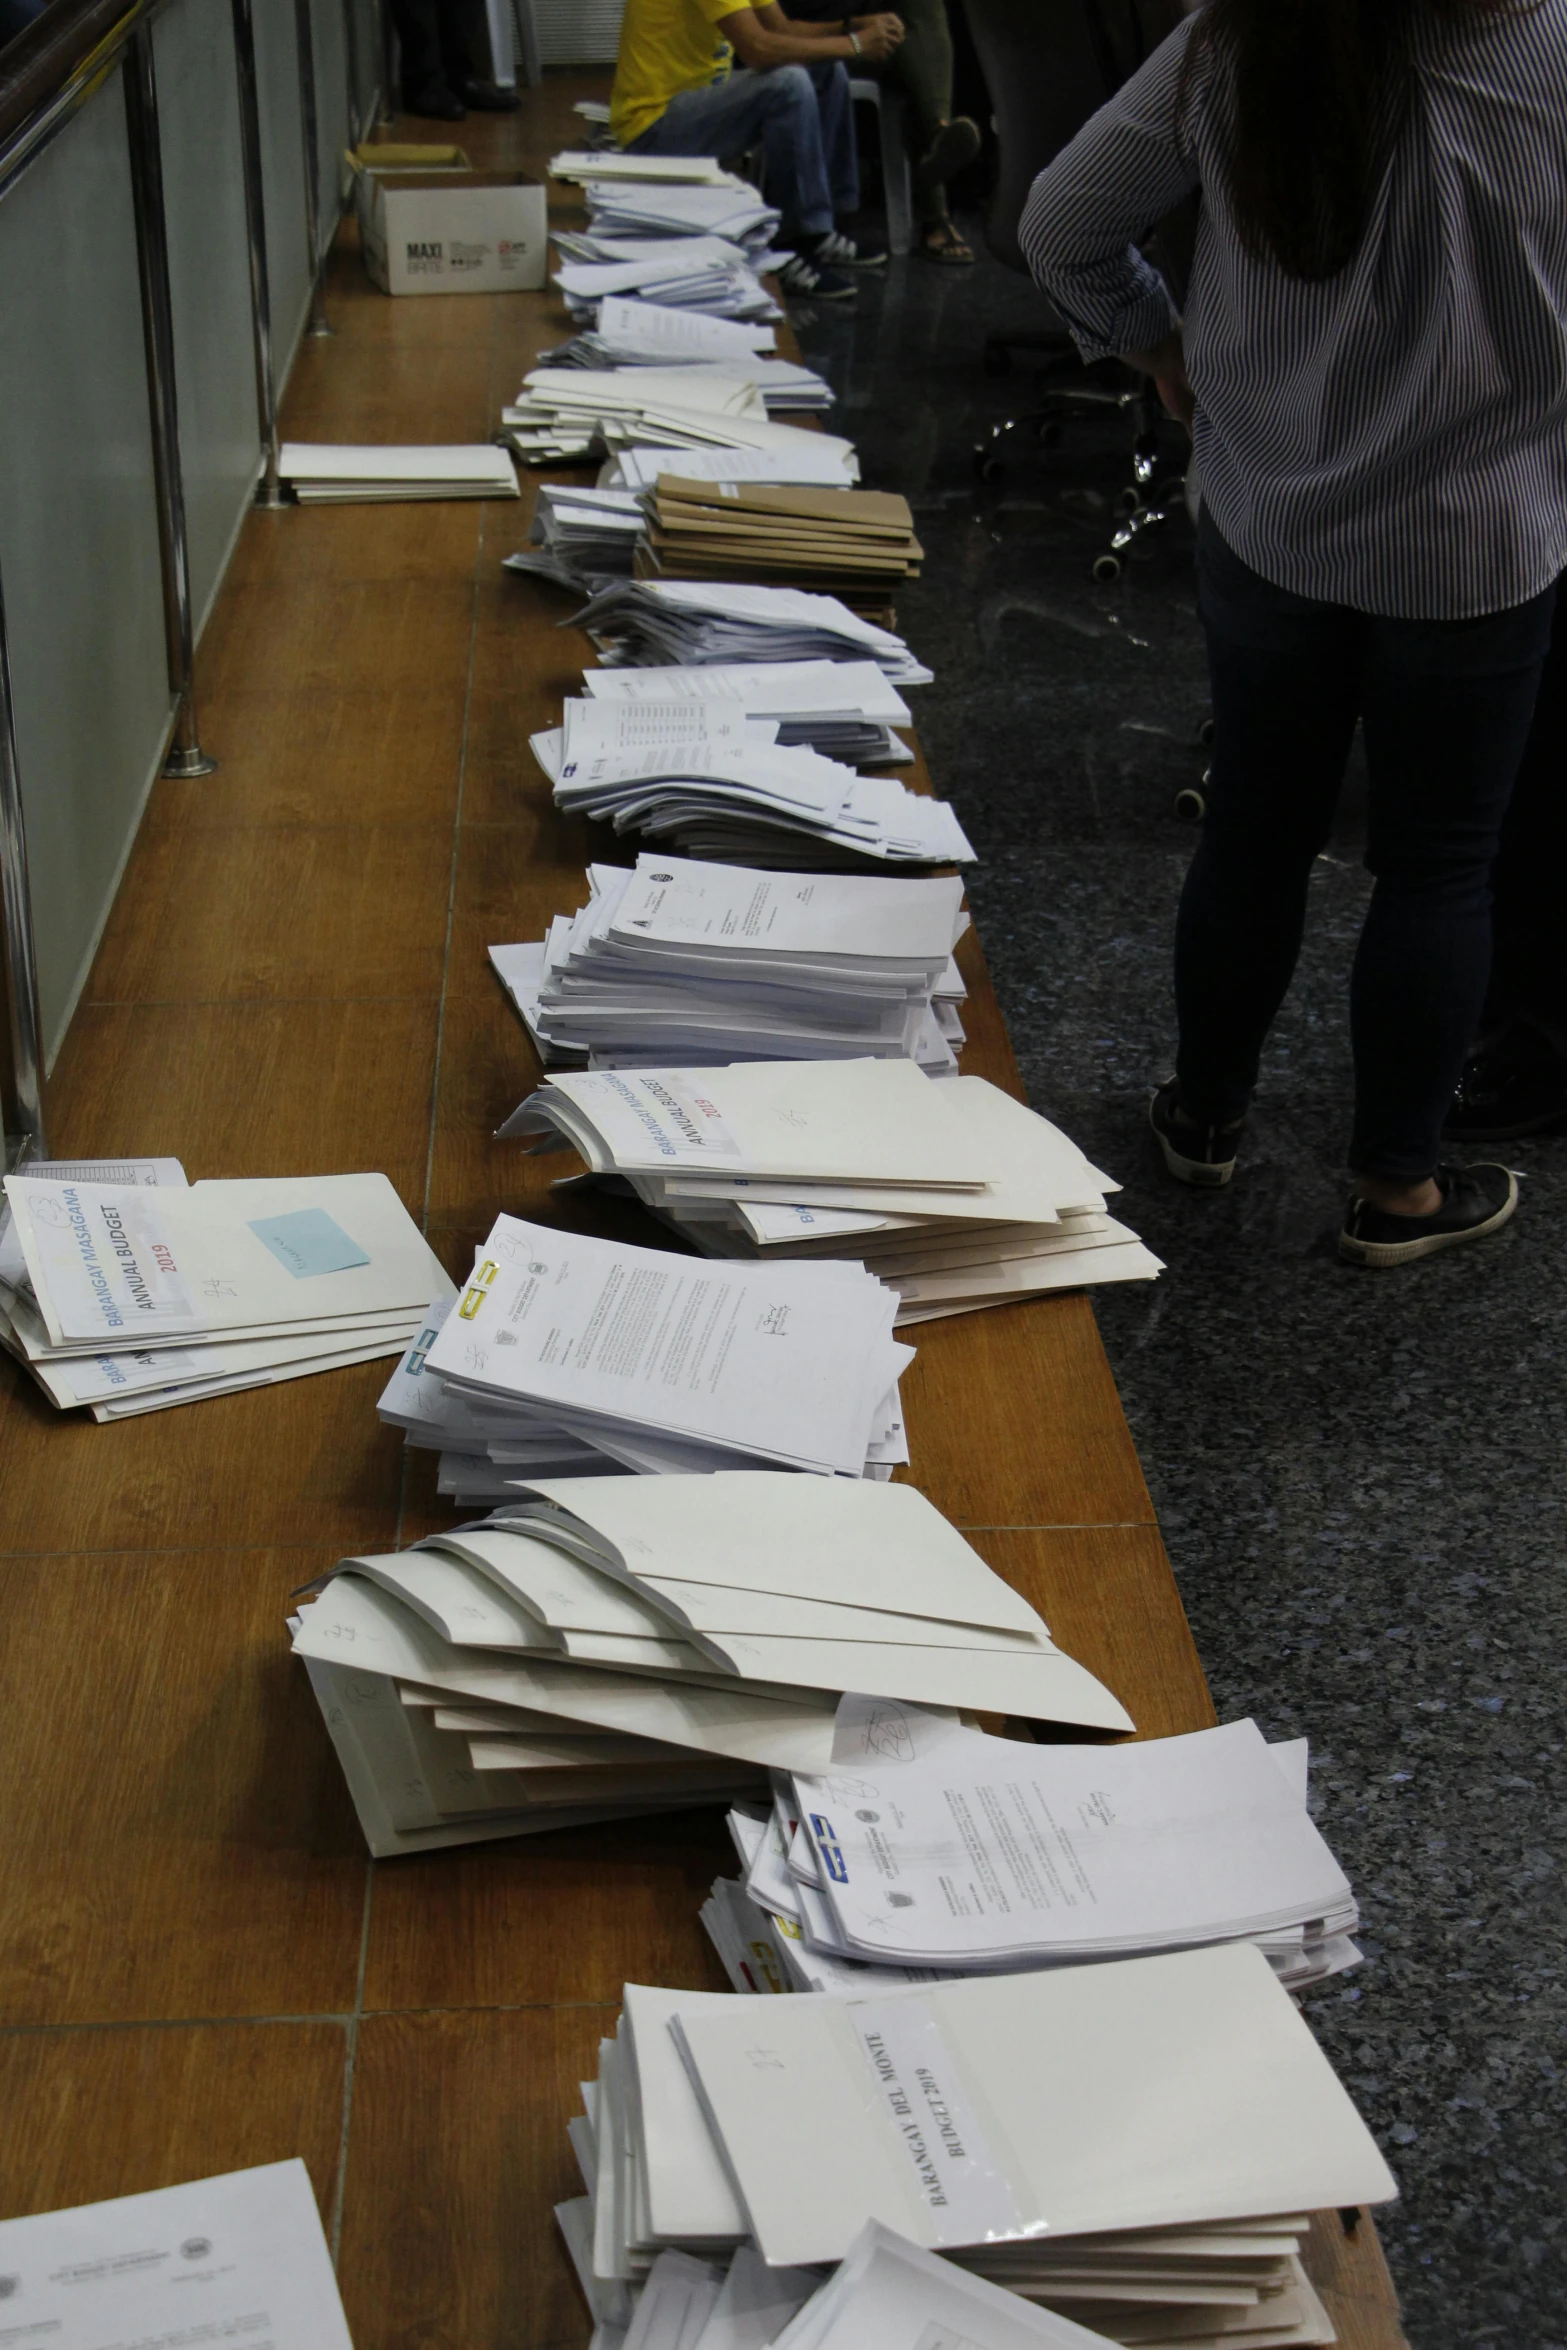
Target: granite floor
(1360,1477)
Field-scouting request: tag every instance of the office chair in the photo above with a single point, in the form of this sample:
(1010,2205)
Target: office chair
(1049,65)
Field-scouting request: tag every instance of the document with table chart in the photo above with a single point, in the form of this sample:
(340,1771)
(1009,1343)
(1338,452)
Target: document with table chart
(240,2258)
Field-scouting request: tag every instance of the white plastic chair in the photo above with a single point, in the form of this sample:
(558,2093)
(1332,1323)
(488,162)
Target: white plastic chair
(897,179)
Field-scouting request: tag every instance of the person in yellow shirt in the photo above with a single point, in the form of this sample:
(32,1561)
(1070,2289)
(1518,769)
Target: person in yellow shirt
(678,91)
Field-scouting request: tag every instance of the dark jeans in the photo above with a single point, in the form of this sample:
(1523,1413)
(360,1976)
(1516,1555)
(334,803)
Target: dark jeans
(1446,706)
(801,117)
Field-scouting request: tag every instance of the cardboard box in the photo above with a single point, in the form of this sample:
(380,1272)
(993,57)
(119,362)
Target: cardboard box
(481,232)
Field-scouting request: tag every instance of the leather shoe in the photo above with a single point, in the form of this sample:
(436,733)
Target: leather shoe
(436,104)
(487,98)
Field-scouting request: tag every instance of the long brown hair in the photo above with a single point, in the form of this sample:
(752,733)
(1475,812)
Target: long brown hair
(1317,92)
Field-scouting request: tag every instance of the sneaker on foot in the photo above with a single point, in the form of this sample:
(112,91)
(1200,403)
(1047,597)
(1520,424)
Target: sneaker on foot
(835,251)
(801,274)
(1514,1084)
(1475,1200)
(1194,1152)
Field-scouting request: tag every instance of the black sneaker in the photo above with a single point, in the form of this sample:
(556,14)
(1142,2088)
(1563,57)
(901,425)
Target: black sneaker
(436,104)
(1194,1153)
(1475,1201)
(800,275)
(834,251)
(1515,1084)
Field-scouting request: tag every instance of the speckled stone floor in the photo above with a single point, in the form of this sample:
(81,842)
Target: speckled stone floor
(1361,1478)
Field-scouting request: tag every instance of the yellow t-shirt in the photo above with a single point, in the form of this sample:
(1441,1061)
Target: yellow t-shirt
(666,46)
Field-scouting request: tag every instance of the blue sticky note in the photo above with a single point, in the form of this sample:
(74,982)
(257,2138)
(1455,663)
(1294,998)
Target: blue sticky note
(309,1242)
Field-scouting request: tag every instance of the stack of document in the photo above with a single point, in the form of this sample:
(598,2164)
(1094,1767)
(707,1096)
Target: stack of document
(718,785)
(801,457)
(888,2295)
(615,163)
(580,537)
(709,277)
(710,963)
(562,414)
(635,1358)
(844,709)
(684,623)
(786,388)
(699,1631)
(1134,2145)
(956,1195)
(937,1850)
(126,1290)
(641,333)
(627,203)
(323,474)
(850,542)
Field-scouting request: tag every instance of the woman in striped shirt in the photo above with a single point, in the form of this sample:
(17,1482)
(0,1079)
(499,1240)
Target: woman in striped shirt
(1373,364)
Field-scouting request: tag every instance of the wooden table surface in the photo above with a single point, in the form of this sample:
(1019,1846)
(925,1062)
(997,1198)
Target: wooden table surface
(199,1967)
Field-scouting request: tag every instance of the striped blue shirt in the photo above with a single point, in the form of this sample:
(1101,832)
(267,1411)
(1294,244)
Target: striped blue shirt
(1395,438)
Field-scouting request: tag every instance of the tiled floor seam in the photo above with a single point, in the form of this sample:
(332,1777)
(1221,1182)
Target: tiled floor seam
(350,2065)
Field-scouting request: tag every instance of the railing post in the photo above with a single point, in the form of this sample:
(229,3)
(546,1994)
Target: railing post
(185,754)
(268,492)
(21,962)
(305,37)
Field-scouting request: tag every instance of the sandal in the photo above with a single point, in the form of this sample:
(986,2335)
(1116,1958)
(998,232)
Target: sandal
(941,242)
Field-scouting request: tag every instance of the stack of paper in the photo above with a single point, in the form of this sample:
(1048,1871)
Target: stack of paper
(844,709)
(641,1359)
(786,388)
(625,202)
(849,542)
(697,1631)
(954,1194)
(708,276)
(580,537)
(698,963)
(932,1849)
(641,333)
(684,623)
(1134,2145)
(561,414)
(713,783)
(802,457)
(614,163)
(321,473)
(887,2295)
(126,1290)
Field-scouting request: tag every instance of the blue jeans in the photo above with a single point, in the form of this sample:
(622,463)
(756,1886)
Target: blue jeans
(1446,707)
(801,117)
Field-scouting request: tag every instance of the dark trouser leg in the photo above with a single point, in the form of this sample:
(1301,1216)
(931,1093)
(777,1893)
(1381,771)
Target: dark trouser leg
(835,111)
(1529,959)
(465,41)
(921,71)
(1447,706)
(419,39)
(1284,704)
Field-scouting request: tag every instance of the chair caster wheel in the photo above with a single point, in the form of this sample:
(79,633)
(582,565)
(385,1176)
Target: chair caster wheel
(1108,569)
(1130,501)
(996,359)
(1205,734)
(1048,434)
(1190,804)
(988,468)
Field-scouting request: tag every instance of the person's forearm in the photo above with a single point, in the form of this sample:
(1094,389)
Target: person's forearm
(803,44)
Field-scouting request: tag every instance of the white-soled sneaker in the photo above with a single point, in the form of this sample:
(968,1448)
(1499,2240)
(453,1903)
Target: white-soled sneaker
(803,274)
(840,252)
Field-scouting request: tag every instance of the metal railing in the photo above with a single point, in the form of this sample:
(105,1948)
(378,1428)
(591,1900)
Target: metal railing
(56,83)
